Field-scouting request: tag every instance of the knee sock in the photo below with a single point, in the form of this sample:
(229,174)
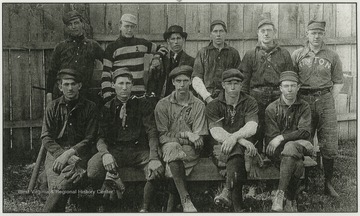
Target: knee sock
(178,172)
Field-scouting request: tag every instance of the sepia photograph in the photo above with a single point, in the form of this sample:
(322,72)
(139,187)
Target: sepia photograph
(209,107)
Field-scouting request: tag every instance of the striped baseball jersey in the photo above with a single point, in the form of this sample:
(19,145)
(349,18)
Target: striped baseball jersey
(125,52)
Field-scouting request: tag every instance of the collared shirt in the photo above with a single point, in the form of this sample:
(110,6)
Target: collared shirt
(210,63)
(173,118)
(293,122)
(129,53)
(77,53)
(66,127)
(139,126)
(230,118)
(317,70)
(263,67)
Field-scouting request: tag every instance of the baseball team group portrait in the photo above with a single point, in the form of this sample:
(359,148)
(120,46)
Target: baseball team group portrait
(179,107)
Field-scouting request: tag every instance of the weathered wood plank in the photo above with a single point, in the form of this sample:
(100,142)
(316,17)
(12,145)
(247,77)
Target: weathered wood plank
(130,9)
(329,17)
(271,11)
(191,48)
(157,18)
(6,22)
(219,12)
(97,18)
(353,20)
(343,21)
(287,21)
(204,17)
(53,24)
(6,77)
(353,130)
(342,106)
(192,19)
(303,19)
(316,11)
(176,14)
(112,19)
(252,16)
(236,22)
(19,23)
(144,21)
(205,170)
(23,123)
(37,79)
(36,23)
(344,52)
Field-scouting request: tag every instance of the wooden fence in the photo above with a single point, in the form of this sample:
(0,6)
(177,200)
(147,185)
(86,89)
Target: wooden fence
(30,32)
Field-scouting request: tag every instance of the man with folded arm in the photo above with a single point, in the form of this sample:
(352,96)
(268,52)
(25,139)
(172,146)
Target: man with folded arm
(127,138)
(69,129)
(287,134)
(233,120)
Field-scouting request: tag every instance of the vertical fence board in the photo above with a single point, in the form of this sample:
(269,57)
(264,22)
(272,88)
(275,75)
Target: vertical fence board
(329,17)
(219,12)
(37,79)
(252,16)
(36,23)
(353,20)
(176,14)
(19,24)
(343,21)
(271,11)
(19,64)
(341,105)
(344,52)
(287,21)
(53,24)
(203,25)
(316,11)
(236,18)
(157,18)
(144,21)
(112,19)
(6,102)
(303,19)
(192,19)
(130,9)
(191,48)
(97,18)
(6,22)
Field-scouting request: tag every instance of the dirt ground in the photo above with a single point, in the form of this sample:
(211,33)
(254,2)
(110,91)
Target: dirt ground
(257,195)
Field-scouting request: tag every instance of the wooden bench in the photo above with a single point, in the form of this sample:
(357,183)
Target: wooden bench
(206,170)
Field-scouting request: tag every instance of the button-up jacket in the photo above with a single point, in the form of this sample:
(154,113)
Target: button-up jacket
(292,122)
(77,53)
(66,127)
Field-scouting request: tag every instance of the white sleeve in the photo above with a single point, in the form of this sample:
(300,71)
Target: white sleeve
(200,88)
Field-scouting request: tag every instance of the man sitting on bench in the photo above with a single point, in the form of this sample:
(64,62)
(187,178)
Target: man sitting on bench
(233,119)
(287,131)
(69,130)
(127,132)
(180,119)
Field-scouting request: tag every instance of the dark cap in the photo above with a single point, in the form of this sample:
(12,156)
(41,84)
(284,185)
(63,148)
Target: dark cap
(175,29)
(181,70)
(70,16)
(121,72)
(289,76)
(265,22)
(316,24)
(217,22)
(232,74)
(69,73)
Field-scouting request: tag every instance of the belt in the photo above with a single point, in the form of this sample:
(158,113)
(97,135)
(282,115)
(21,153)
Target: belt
(314,91)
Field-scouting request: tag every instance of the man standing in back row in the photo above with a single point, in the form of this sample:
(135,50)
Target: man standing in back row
(321,76)
(128,52)
(76,52)
(262,67)
(211,61)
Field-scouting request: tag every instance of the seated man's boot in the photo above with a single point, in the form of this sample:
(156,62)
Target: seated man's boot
(224,198)
(187,205)
(328,171)
(278,201)
(290,206)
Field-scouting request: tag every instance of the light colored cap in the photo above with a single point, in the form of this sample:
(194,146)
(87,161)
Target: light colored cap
(129,18)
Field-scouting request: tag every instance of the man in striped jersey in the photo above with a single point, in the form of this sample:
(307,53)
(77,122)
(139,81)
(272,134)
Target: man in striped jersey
(128,51)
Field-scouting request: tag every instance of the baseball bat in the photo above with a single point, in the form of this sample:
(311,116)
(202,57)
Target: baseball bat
(36,169)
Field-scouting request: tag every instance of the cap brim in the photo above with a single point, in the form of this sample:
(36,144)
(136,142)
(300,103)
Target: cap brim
(232,78)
